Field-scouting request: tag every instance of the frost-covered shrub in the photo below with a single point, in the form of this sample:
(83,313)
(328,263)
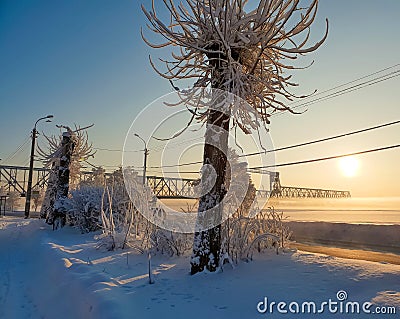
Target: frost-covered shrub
(248,228)
(171,243)
(84,204)
(122,216)
(244,235)
(84,208)
(137,226)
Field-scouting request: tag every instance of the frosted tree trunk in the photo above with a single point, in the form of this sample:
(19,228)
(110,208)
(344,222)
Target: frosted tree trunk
(207,243)
(207,240)
(58,217)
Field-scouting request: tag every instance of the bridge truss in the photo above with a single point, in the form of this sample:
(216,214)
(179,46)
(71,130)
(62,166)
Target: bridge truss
(300,192)
(166,187)
(15,178)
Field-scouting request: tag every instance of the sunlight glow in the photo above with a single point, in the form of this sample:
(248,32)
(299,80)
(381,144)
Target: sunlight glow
(349,166)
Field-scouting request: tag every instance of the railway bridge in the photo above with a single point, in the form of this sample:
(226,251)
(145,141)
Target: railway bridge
(14,178)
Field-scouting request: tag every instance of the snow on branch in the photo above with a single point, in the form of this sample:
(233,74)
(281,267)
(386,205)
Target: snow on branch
(246,53)
(83,150)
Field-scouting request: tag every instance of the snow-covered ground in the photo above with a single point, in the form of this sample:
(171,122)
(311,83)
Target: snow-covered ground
(46,274)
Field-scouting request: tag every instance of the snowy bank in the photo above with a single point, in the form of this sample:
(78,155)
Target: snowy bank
(35,281)
(61,274)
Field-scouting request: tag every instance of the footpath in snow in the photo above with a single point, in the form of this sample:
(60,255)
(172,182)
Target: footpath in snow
(46,274)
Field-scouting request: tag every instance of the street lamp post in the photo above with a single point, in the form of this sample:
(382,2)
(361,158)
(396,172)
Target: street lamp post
(29,190)
(146,152)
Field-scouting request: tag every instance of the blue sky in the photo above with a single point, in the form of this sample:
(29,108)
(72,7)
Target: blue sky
(85,62)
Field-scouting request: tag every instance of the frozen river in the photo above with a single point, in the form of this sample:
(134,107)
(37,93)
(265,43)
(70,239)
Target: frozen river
(383,210)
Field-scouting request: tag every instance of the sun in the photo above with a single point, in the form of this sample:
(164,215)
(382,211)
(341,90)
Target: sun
(349,166)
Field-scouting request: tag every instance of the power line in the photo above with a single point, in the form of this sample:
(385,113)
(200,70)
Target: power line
(279,149)
(323,139)
(19,149)
(327,158)
(177,165)
(295,145)
(350,89)
(350,82)
(161,147)
(252,169)
(171,172)
(156,149)
(101,166)
(116,150)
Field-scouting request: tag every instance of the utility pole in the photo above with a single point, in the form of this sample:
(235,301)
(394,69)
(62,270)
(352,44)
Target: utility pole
(32,159)
(146,152)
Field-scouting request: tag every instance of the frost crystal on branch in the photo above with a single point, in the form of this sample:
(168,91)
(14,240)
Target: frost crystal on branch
(247,52)
(83,150)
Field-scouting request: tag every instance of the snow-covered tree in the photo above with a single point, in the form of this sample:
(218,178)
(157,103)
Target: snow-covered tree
(248,53)
(83,150)
(64,155)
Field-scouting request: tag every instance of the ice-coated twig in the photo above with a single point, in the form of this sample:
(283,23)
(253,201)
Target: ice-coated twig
(254,48)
